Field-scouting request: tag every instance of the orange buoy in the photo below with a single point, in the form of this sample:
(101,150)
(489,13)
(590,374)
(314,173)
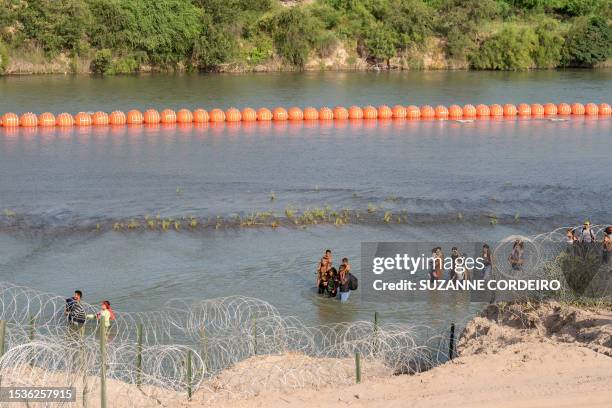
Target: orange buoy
(441,112)
(370,112)
(167,117)
(325,113)
(428,112)
(233,115)
(201,116)
(550,109)
(82,119)
(469,111)
(28,120)
(340,113)
(523,109)
(249,115)
(510,110)
(184,116)
(117,118)
(10,119)
(295,113)
(496,110)
(264,114)
(455,111)
(413,112)
(217,115)
(398,112)
(99,119)
(564,109)
(483,110)
(591,109)
(577,109)
(135,117)
(64,120)
(604,109)
(46,119)
(355,112)
(280,114)
(151,117)
(537,109)
(384,112)
(311,113)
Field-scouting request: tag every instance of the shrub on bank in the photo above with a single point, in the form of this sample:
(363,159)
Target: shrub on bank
(510,49)
(4,58)
(102,61)
(589,42)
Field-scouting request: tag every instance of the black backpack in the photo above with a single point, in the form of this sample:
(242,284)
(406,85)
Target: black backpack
(353,282)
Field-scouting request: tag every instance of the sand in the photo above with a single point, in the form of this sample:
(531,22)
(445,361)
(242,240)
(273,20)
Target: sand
(517,356)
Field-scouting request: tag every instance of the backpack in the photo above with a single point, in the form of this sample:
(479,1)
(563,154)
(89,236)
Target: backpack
(353,282)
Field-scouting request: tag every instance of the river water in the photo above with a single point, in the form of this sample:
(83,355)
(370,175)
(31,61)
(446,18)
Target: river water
(62,192)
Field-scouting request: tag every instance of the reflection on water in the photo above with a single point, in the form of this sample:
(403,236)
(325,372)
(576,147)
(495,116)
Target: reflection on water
(78,93)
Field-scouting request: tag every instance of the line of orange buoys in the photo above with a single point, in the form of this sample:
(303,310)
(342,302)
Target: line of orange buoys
(411,112)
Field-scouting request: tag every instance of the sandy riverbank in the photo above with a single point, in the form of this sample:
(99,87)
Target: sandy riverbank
(541,356)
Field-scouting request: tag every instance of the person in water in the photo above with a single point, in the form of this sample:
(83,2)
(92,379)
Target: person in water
(74,310)
(344,280)
(487,260)
(606,244)
(586,235)
(323,269)
(452,272)
(437,267)
(332,282)
(516,256)
(570,236)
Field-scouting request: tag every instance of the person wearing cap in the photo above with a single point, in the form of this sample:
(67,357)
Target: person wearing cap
(586,233)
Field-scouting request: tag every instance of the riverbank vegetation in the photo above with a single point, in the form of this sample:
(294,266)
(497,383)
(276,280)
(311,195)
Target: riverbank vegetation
(127,36)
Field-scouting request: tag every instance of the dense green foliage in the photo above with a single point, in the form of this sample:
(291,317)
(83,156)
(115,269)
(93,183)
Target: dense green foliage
(122,36)
(588,42)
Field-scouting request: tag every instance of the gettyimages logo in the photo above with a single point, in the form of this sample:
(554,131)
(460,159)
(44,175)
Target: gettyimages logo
(418,271)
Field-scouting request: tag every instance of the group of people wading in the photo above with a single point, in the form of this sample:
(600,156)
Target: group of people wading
(335,282)
(584,238)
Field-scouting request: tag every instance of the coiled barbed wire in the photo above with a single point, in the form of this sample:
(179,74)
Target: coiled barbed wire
(225,341)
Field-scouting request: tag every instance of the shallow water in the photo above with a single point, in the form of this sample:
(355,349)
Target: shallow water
(447,178)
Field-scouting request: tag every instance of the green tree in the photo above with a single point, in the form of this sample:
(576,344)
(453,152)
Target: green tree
(548,52)
(412,20)
(213,47)
(510,49)
(459,20)
(588,43)
(380,41)
(294,32)
(56,25)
